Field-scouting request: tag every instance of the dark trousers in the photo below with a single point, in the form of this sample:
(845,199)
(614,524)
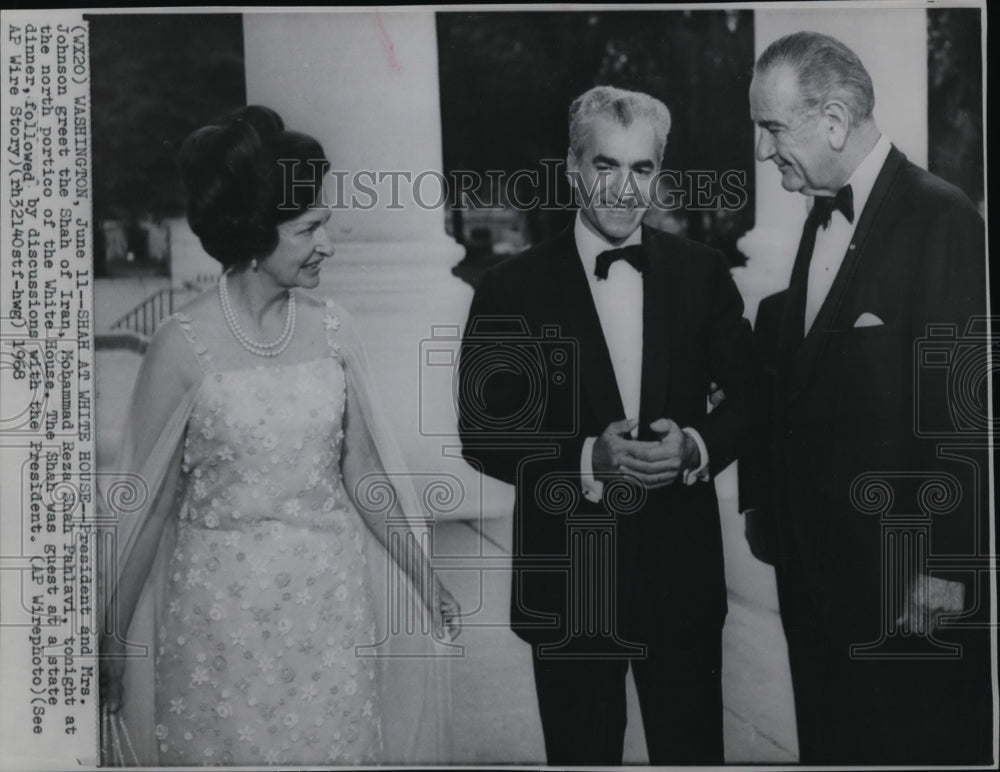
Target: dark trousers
(679,683)
(883,711)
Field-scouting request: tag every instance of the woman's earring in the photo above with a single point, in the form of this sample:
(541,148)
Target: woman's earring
(253,264)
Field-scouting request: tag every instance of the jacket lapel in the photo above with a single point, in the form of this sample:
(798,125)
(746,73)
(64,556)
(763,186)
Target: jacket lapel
(659,308)
(818,336)
(574,310)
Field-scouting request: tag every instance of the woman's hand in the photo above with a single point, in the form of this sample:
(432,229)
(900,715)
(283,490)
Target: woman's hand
(112,674)
(447,613)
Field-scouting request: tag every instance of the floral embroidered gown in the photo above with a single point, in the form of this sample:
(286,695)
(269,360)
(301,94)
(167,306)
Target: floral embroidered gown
(266,590)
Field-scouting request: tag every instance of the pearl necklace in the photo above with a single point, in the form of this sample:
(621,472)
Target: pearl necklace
(271,349)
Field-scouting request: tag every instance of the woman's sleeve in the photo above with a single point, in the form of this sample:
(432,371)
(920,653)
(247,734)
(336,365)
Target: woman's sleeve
(139,493)
(414,672)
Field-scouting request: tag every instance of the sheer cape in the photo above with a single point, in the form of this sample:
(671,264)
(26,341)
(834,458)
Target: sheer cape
(414,670)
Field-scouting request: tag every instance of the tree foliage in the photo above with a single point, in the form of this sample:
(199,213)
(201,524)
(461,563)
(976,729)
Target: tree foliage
(507,80)
(955,97)
(154,79)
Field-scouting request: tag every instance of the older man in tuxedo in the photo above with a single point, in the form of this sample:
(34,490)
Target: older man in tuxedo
(583,379)
(881,595)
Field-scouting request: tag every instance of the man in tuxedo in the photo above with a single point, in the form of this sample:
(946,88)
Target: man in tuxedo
(583,379)
(881,600)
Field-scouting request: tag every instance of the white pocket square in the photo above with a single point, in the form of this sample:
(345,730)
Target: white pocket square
(868,320)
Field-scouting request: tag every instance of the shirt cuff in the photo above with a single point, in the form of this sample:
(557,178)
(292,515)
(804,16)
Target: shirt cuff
(593,489)
(691,476)
(942,594)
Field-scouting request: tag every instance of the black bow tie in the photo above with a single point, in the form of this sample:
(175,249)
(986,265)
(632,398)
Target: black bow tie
(825,206)
(633,255)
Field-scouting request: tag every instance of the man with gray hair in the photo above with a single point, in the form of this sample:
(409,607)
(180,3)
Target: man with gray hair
(888,652)
(582,382)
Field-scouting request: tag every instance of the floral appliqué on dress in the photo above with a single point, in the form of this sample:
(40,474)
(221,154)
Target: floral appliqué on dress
(267,590)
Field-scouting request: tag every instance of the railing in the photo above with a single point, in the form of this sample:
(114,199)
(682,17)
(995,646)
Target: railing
(145,317)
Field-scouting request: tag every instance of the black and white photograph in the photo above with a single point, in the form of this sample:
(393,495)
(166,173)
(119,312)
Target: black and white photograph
(526,385)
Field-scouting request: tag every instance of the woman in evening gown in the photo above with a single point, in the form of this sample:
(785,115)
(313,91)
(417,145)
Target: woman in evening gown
(262,521)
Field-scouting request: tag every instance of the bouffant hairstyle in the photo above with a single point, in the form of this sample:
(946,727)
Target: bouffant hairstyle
(244,177)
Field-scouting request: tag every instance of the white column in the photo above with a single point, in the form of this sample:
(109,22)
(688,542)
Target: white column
(892,44)
(365,84)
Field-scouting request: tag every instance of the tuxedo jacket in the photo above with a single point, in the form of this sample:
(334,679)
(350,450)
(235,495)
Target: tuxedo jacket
(846,406)
(536,379)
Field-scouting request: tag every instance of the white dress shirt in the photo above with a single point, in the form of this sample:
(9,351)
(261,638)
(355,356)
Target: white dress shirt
(834,241)
(618,300)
